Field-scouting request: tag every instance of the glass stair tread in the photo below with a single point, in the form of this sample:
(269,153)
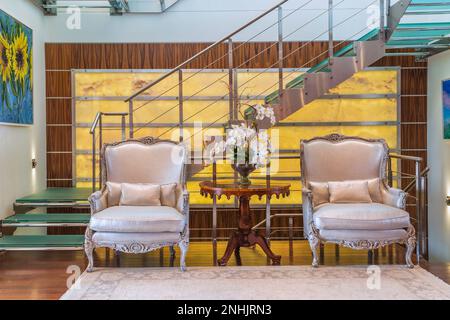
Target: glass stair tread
(48,218)
(41,241)
(423,25)
(428,7)
(57,195)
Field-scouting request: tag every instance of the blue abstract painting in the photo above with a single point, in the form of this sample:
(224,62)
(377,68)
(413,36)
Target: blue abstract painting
(446,106)
(16,72)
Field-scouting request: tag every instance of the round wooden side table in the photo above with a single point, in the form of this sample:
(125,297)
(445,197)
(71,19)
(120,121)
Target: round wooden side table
(244,236)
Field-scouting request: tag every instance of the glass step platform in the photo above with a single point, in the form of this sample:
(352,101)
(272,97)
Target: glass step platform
(47,220)
(42,242)
(55,195)
(54,198)
(71,198)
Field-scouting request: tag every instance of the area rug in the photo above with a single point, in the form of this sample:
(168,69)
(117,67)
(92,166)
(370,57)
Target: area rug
(267,282)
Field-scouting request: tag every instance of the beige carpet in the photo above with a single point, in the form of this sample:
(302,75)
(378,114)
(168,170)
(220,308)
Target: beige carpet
(267,282)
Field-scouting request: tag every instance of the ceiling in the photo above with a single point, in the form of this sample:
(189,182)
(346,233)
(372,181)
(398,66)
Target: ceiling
(114,7)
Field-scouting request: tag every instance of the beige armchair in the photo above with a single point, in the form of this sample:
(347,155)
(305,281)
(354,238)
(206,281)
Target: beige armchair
(379,221)
(140,229)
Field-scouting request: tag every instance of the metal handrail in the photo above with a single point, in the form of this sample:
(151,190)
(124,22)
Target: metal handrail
(100,114)
(212,46)
(98,123)
(404,157)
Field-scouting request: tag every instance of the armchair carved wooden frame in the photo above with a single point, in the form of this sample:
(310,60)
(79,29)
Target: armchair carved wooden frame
(133,152)
(338,158)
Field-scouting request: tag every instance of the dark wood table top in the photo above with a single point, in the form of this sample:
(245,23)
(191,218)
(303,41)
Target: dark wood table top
(210,188)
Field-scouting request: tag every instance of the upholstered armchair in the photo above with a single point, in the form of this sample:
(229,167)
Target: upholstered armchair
(346,199)
(130,227)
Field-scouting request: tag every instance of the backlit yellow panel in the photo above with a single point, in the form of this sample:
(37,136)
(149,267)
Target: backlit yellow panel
(122,84)
(262,82)
(205,84)
(84,165)
(290,136)
(329,110)
(369,82)
(164,113)
(86,110)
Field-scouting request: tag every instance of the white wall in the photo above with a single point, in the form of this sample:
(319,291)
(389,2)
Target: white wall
(438,160)
(18,145)
(209,20)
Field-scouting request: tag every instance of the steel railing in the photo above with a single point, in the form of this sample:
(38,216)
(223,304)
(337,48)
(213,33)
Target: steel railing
(98,122)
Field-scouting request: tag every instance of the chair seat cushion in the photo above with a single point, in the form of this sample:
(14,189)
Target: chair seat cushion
(360,216)
(138,219)
(363,235)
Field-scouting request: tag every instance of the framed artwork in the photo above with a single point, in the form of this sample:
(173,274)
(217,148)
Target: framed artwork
(16,72)
(446,107)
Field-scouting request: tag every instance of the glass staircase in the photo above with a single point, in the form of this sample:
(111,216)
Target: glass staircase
(71,199)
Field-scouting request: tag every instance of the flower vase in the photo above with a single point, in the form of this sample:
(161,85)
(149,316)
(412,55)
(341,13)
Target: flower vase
(244,170)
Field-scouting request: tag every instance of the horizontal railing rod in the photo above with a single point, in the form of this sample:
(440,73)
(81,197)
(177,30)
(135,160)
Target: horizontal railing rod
(212,46)
(403,157)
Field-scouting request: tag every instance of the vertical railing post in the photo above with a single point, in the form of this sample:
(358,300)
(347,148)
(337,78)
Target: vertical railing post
(418,210)
(124,135)
(93,162)
(268,222)
(382,21)
(330,31)
(236,95)
(100,144)
(180,103)
(280,51)
(389,169)
(423,219)
(130,115)
(214,217)
(231,79)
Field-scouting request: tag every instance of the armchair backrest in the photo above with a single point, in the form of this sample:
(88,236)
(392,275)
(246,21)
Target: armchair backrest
(337,158)
(146,160)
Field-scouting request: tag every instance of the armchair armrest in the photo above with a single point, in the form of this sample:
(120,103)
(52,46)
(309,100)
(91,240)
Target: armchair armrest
(182,199)
(98,201)
(394,197)
(307,211)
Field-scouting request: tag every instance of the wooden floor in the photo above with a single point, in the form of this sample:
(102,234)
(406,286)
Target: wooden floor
(44,275)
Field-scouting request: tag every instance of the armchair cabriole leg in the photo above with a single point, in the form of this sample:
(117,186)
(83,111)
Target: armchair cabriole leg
(410,246)
(172,252)
(184,245)
(89,249)
(314,243)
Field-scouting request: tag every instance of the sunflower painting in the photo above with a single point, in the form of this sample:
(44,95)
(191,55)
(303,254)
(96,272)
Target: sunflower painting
(16,87)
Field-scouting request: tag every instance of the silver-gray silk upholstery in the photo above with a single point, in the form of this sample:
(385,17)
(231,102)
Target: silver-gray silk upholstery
(139,229)
(355,225)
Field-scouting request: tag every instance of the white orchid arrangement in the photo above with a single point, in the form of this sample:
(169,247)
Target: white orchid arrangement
(247,143)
